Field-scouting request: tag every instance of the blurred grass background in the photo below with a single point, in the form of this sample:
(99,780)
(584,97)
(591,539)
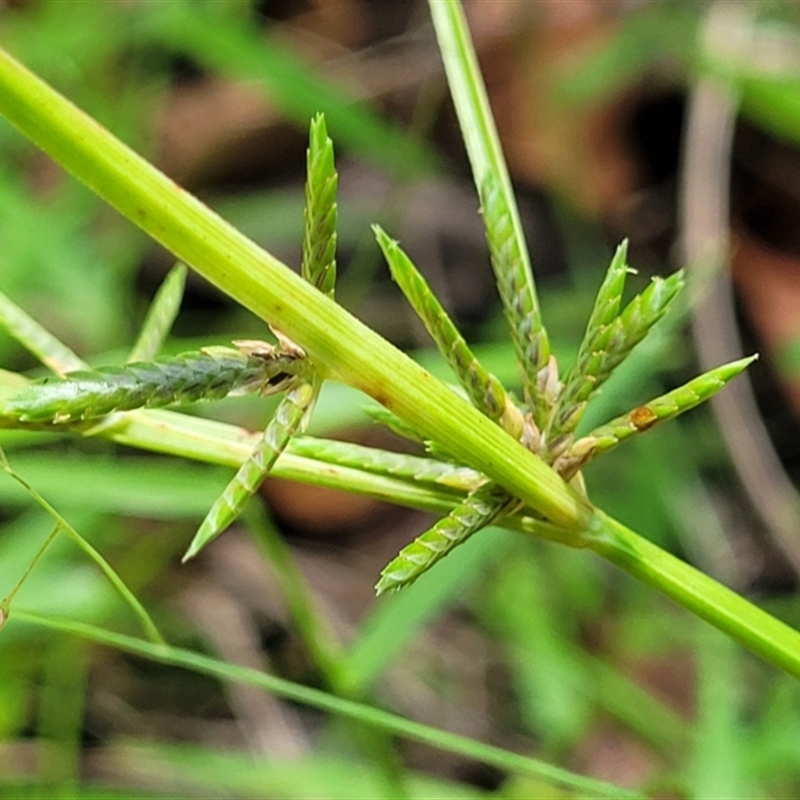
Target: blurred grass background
(522,644)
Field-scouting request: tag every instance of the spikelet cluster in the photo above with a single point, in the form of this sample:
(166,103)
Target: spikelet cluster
(546,422)
(205,375)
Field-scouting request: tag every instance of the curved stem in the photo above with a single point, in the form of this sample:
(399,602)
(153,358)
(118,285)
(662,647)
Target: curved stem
(375,718)
(757,630)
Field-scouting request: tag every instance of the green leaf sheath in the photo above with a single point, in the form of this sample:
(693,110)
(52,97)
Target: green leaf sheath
(516,288)
(287,420)
(319,241)
(206,375)
(160,316)
(661,409)
(485,391)
(609,344)
(477,511)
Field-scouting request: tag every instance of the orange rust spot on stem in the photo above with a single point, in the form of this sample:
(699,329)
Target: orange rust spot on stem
(643,418)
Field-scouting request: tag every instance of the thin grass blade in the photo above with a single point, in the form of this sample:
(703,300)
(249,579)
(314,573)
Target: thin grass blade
(287,421)
(661,409)
(160,316)
(128,597)
(319,241)
(53,353)
(485,391)
(375,718)
(477,511)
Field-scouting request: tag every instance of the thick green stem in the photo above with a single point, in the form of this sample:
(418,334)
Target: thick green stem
(755,629)
(272,291)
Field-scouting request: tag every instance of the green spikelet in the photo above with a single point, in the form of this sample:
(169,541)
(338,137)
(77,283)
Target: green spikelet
(641,419)
(396,425)
(414,469)
(516,287)
(484,390)
(206,375)
(578,382)
(287,421)
(607,344)
(477,511)
(609,296)
(319,241)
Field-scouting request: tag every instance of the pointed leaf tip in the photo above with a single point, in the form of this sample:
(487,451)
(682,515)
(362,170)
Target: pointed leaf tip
(199,541)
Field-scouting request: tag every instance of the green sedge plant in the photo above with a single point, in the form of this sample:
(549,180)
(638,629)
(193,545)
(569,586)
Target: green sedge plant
(494,458)
(529,469)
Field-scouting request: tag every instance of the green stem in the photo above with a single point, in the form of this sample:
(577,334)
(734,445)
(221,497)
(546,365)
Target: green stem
(757,630)
(261,283)
(218,443)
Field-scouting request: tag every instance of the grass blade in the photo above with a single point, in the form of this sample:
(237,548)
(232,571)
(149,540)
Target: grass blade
(367,715)
(160,316)
(149,627)
(37,339)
